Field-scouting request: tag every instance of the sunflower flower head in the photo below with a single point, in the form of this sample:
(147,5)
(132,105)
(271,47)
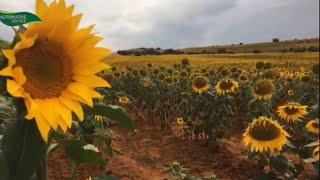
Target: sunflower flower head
(169,80)
(263,90)
(142,72)
(243,78)
(161,76)
(264,134)
(156,71)
(291,111)
(316,152)
(180,121)
(313,126)
(226,86)
(184,73)
(200,84)
(55,65)
(123,100)
(290,92)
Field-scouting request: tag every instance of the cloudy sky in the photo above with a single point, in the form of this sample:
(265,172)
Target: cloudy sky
(128,24)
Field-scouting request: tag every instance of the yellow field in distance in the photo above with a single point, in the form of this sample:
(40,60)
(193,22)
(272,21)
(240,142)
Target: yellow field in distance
(197,60)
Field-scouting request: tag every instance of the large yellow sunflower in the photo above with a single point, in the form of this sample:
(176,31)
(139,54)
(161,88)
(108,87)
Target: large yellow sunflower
(291,111)
(263,90)
(264,134)
(313,126)
(53,67)
(200,84)
(226,86)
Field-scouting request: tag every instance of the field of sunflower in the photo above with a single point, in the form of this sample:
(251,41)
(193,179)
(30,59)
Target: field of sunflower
(275,95)
(57,93)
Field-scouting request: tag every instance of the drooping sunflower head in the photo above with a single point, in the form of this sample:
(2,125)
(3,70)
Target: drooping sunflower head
(113,68)
(156,71)
(226,86)
(268,65)
(233,69)
(313,126)
(129,68)
(123,100)
(200,84)
(259,65)
(169,80)
(292,111)
(225,72)
(263,90)
(142,72)
(109,77)
(117,74)
(169,71)
(161,76)
(184,73)
(315,68)
(305,78)
(185,61)
(135,72)
(149,65)
(175,79)
(243,78)
(264,134)
(269,74)
(204,70)
(212,72)
(55,65)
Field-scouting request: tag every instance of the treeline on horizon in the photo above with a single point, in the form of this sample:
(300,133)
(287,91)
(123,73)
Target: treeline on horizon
(221,50)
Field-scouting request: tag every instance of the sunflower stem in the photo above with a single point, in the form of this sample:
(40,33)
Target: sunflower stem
(73,168)
(138,112)
(42,171)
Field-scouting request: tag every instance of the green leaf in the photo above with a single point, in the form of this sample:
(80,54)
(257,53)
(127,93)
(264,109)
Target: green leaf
(112,112)
(4,171)
(289,144)
(311,160)
(23,148)
(316,143)
(280,163)
(76,152)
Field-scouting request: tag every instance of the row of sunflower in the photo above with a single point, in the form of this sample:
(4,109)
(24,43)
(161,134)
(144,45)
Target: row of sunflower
(206,101)
(51,96)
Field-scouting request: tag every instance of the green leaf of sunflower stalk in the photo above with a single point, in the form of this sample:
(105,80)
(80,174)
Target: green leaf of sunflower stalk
(23,147)
(112,112)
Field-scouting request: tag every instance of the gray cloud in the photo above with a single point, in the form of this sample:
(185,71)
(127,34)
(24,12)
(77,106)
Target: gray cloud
(182,23)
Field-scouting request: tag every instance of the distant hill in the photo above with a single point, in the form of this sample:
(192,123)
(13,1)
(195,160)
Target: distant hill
(281,46)
(276,45)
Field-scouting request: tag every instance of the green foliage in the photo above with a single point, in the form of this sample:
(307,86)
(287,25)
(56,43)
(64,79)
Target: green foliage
(112,112)
(177,172)
(23,149)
